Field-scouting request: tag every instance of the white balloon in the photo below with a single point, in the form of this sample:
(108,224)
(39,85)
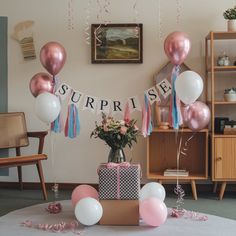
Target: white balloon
(88,211)
(152,189)
(47,107)
(188,86)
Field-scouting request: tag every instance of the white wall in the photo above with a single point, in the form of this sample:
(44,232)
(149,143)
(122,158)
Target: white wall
(77,160)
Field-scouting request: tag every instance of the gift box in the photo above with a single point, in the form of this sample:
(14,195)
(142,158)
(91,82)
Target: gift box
(119,181)
(120,212)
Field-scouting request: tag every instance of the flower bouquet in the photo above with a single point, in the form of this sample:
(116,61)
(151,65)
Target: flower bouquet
(117,134)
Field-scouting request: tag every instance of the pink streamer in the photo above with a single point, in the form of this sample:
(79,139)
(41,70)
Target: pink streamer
(188,215)
(54,208)
(61,227)
(127,116)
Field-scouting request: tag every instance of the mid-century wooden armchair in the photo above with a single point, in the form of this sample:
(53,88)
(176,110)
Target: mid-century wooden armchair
(13,134)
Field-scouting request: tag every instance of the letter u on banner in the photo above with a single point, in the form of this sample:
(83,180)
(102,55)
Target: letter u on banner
(76,97)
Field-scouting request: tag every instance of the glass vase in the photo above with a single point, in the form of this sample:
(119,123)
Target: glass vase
(116,155)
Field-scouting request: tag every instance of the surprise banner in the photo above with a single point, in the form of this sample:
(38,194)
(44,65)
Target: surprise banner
(109,106)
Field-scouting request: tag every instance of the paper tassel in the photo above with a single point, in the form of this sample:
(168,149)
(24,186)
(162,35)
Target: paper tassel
(127,116)
(72,126)
(146,118)
(57,125)
(176,117)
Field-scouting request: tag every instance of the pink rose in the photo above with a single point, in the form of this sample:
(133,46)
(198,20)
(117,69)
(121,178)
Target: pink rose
(123,130)
(105,128)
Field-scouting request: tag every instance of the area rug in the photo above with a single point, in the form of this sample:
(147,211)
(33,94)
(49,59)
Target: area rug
(10,225)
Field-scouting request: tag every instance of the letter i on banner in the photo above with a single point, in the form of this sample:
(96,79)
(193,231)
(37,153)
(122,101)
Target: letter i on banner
(134,104)
(72,126)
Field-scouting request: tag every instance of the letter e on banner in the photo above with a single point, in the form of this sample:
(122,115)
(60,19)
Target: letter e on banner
(152,95)
(164,87)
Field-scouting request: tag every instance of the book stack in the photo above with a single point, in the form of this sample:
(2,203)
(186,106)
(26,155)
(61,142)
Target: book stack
(176,172)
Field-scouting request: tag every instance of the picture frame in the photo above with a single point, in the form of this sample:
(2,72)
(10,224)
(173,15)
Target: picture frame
(116,43)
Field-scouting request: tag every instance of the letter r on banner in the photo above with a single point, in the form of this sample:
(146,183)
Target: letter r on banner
(90,103)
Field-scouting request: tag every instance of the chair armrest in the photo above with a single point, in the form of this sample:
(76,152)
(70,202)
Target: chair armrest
(37,134)
(40,135)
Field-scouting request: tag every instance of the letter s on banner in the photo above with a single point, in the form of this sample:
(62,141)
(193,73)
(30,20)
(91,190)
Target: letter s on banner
(152,95)
(63,91)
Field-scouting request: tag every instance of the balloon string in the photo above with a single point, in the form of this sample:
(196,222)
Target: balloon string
(55,186)
(160,21)
(87,26)
(70,15)
(178,12)
(136,14)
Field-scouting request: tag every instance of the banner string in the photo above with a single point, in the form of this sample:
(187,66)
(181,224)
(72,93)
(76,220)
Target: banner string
(70,15)
(160,33)
(87,25)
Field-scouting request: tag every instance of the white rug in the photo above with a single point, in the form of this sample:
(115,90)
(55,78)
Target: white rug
(10,225)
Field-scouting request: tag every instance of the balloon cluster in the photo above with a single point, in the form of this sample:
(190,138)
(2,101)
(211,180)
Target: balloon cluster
(152,208)
(188,85)
(88,210)
(42,85)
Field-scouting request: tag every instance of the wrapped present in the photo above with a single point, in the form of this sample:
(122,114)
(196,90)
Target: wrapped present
(119,181)
(120,212)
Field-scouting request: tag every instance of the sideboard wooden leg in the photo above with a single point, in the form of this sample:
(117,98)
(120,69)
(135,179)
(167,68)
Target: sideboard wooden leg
(194,190)
(222,190)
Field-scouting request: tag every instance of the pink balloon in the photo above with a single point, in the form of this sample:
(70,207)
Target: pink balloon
(153,211)
(83,191)
(41,82)
(197,116)
(53,57)
(177,46)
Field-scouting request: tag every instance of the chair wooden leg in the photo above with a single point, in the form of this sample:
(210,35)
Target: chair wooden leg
(40,171)
(194,190)
(19,170)
(222,190)
(215,187)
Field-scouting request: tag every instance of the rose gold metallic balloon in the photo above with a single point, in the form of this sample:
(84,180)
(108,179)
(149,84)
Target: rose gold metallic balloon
(52,57)
(197,116)
(177,46)
(41,82)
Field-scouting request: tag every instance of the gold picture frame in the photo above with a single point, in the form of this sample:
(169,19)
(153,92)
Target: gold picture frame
(116,43)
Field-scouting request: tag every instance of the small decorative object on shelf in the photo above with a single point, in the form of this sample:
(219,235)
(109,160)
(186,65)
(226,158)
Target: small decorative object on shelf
(117,134)
(230,127)
(162,115)
(230,94)
(230,15)
(223,60)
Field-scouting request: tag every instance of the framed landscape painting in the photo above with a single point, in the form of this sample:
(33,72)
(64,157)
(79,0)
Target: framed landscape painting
(116,43)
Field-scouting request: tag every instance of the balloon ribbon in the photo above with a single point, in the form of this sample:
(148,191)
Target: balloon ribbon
(72,126)
(146,118)
(176,117)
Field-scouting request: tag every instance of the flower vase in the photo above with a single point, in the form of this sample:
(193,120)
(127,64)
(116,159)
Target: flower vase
(116,155)
(231,25)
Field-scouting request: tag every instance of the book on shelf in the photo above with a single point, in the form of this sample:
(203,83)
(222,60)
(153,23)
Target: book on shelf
(176,172)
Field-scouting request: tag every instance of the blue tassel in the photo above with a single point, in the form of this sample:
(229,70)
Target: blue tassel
(175,110)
